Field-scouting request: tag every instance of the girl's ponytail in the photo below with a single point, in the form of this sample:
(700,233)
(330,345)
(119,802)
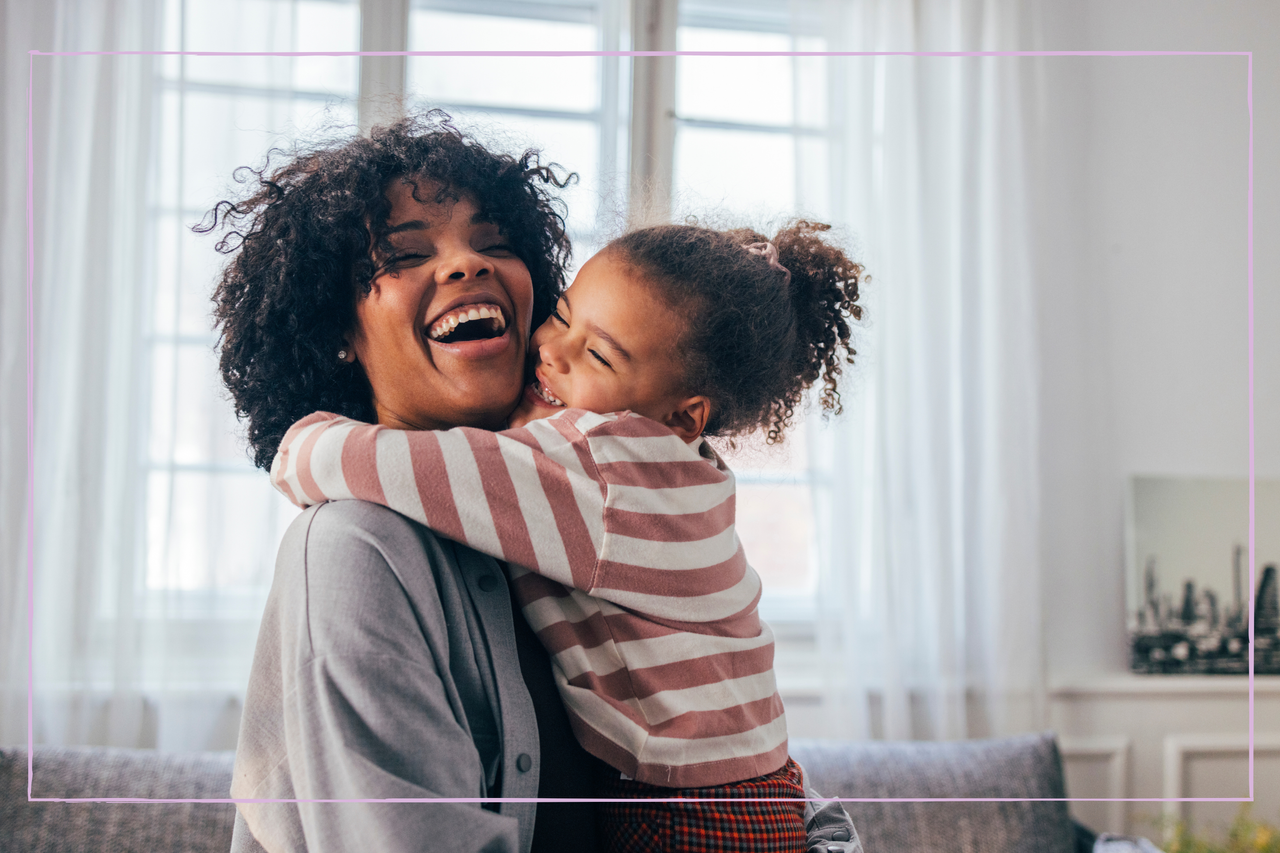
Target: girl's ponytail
(824,292)
(765,319)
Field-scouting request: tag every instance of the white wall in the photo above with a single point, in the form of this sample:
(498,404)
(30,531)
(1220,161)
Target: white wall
(1141,191)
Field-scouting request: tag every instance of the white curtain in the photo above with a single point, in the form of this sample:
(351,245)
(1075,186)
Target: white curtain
(929,602)
(23,29)
(929,609)
(94,653)
(90,180)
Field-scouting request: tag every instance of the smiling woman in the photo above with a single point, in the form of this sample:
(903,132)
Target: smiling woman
(444,266)
(394,278)
(302,284)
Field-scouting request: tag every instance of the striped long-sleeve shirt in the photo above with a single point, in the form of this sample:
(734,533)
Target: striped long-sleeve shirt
(620,543)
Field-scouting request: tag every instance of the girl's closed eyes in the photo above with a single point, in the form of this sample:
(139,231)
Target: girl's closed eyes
(608,347)
(558,317)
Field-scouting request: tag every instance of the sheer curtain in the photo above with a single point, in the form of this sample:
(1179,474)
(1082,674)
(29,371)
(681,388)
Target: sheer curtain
(92,147)
(929,610)
(87,115)
(22,28)
(118,657)
(154,537)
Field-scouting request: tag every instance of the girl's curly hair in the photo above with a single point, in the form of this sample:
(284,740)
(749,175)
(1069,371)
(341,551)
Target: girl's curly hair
(753,344)
(300,245)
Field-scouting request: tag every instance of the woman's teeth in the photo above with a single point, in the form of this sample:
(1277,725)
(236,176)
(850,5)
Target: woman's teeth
(451,321)
(545,394)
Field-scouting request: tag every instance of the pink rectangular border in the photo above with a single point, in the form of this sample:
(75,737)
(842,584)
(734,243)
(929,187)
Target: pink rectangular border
(31,409)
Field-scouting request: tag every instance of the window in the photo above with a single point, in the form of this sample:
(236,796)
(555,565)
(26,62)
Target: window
(743,124)
(212,521)
(743,128)
(573,108)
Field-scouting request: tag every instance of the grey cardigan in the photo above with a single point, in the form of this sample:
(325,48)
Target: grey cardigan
(386,668)
(376,679)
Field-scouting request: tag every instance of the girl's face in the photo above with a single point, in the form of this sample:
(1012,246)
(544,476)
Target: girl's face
(608,347)
(443,333)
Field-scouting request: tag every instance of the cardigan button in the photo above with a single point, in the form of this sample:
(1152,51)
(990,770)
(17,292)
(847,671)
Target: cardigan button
(487,583)
(524,763)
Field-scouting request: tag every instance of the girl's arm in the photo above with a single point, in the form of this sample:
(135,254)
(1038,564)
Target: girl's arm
(614,505)
(532,496)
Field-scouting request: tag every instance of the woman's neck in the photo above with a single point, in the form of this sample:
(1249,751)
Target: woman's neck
(389,418)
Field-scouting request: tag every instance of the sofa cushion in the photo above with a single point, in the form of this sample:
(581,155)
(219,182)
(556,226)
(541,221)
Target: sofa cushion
(1022,767)
(90,772)
(1019,767)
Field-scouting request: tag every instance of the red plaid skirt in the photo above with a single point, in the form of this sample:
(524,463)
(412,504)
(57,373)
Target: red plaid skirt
(698,825)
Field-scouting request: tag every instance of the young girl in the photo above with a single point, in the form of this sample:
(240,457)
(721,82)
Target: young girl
(616,518)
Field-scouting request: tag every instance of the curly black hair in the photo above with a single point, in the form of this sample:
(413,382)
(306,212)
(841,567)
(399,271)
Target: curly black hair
(753,343)
(303,244)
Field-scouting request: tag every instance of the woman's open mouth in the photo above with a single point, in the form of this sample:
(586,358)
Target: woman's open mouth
(477,330)
(468,323)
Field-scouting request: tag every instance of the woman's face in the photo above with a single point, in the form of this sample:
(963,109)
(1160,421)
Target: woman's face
(442,335)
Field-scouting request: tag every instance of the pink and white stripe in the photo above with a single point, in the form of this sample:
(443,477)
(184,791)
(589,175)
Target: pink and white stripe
(621,547)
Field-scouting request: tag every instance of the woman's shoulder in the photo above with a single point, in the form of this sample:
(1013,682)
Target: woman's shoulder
(347,549)
(351,520)
(363,577)
(317,530)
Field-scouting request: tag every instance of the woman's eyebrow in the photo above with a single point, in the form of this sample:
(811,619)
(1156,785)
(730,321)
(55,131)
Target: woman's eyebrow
(411,225)
(419,225)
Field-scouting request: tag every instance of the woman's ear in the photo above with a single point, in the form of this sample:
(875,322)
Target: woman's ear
(690,418)
(347,351)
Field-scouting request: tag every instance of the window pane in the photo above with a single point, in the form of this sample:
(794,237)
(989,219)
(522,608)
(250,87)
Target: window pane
(749,175)
(192,423)
(223,132)
(327,26)
(746,89)
(168,187)
(574,145)
(186,270)
(775,525)
(570,83)
(274,26)
(213,531)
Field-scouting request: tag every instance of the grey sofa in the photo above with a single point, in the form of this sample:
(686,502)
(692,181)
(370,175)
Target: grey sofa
(1021,767)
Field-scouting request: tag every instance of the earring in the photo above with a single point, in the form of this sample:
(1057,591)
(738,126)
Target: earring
(342,355)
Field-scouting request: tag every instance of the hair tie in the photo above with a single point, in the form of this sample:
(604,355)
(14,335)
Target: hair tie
(769,252)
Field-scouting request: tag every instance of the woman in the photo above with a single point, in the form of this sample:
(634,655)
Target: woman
(389,664)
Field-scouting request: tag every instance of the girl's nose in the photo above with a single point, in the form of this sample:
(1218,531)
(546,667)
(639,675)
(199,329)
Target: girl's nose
(551,354)
(460,264)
